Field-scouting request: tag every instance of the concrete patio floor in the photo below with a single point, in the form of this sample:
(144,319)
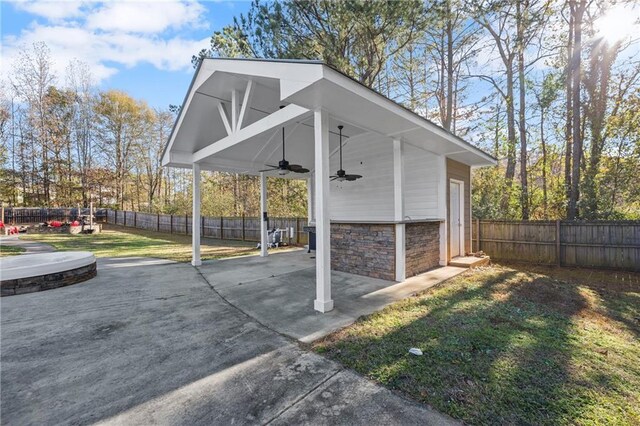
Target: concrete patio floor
(278,291)
(148,341)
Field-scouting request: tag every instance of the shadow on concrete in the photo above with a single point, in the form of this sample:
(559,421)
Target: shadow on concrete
(279,290)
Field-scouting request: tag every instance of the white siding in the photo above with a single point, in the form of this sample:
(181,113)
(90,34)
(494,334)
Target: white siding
(420,183)
(369,198)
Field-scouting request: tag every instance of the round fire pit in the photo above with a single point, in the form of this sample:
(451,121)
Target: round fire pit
(29,273)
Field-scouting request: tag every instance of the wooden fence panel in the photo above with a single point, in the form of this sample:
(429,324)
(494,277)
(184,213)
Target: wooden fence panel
(596,244)
(147,221)
(31,215)
(252,229)
(232,228)
(165,223)
(516,241)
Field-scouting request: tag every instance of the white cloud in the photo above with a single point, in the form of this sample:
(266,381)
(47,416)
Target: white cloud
(121,37)
(142,17)
(51,10)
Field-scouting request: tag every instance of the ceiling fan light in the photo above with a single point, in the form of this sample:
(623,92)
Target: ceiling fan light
(283,172)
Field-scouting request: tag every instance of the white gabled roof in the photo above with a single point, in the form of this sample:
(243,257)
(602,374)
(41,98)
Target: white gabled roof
(200,133)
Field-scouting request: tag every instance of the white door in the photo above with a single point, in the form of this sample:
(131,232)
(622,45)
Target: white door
(455,220)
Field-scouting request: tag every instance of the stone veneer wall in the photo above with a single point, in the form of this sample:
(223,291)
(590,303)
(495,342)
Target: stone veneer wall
(47,282)
(364,249)
(422,247)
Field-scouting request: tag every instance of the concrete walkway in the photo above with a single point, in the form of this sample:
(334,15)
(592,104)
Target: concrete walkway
(278,291)
(150,342)
(31,247)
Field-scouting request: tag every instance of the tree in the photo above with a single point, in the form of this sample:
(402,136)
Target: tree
(356,37)
(31,79)
(122,123)
(150,154)
(452,43)
(497,19)
(545,97)
(577,9)
(80,83)
(58,123)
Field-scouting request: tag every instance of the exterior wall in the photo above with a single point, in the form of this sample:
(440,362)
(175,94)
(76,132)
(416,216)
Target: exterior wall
(422,247)
(364,249)
(47,282)
(462,172)
(420,183)
(369,198)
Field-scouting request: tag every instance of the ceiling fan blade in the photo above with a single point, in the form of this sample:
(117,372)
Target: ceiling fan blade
(271,165)
(351,178)
(333,178)
(297,168)
(268,170)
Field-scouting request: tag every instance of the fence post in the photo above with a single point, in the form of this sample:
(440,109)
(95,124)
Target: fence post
(243,222)
(186,224)
(135,219)
(171,224)
(202,225)
(125,217)
(558,255)
(477,234)
(158,223)
(221,228)
(297,230)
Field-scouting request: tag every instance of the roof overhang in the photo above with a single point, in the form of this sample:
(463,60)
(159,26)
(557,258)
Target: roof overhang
(252,91)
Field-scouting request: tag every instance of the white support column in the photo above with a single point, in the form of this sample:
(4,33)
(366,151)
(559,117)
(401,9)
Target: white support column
(195,218)
(263,222)
(470,207)
(311,210)
(443,208)
(323,301)
(398,201)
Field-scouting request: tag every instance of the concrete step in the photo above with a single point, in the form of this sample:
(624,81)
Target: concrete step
(470,261)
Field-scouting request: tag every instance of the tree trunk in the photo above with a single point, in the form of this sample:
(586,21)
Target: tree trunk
(449,98)
(511,140)
(569,125)
(524,197)
(577,10)
(545,204)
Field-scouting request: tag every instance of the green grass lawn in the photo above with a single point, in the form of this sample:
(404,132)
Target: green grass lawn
(509,345)
(125,242)
(10,250)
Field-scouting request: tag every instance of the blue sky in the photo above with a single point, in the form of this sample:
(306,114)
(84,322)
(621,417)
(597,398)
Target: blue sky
(143,48)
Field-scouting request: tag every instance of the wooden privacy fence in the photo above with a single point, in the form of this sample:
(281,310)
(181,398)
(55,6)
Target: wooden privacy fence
(596,244)
(29,215)
(225,228)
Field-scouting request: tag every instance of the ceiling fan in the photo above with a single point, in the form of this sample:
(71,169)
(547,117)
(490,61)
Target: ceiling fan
(283,166)
(341,175)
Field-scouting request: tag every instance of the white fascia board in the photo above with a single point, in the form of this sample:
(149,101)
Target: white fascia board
(276,119)
(202,75)
(293,76)
(177,159)
(370,95)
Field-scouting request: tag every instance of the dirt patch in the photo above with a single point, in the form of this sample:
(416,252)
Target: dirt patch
(558,297)
(610,280)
